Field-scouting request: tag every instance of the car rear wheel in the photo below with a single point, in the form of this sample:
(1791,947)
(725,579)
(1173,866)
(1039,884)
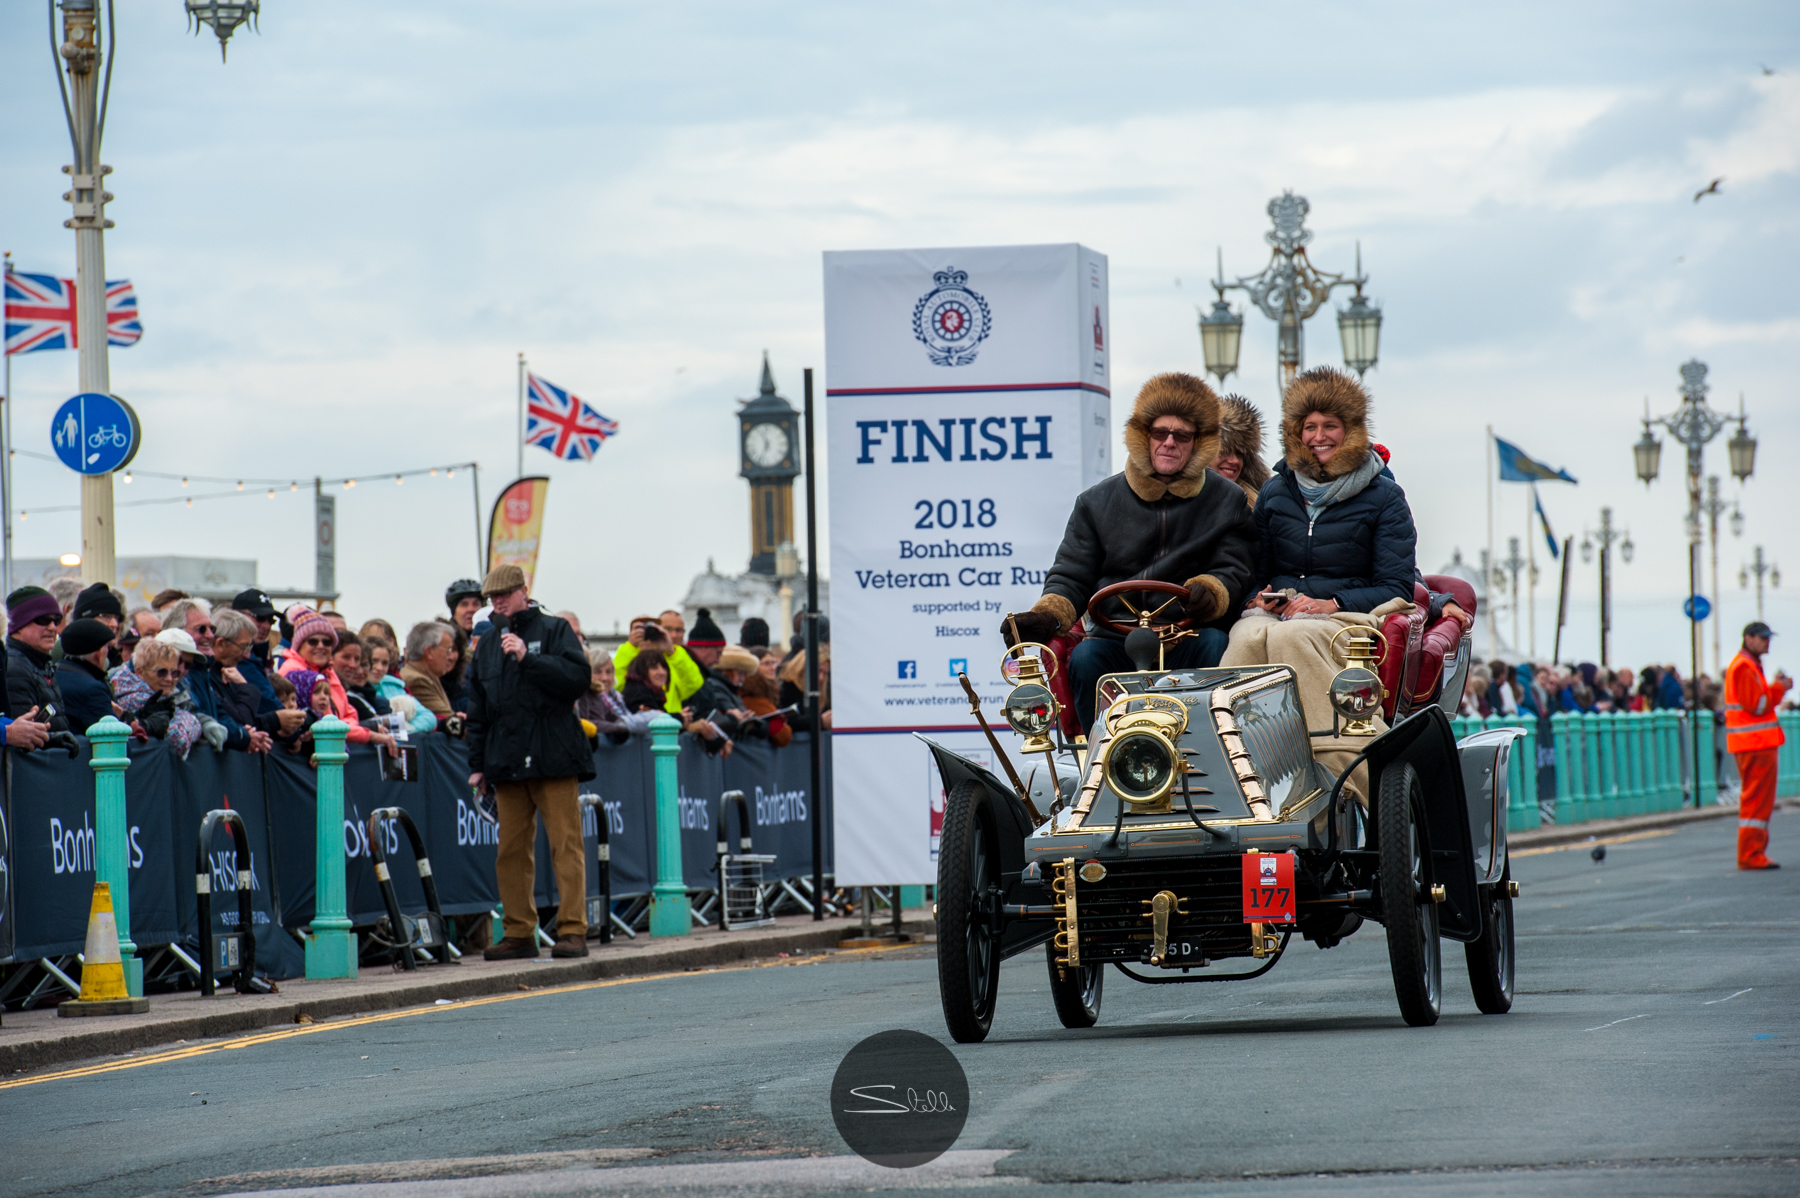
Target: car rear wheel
(968,952)
(1076,991)
(1406,907)
(1491,957)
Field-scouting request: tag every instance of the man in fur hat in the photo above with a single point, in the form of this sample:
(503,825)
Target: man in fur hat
(1166,517)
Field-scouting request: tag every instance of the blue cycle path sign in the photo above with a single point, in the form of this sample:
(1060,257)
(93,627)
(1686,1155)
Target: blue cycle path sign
(95,434)
(1696,607)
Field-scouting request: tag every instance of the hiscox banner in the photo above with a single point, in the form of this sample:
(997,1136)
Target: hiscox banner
(967,405)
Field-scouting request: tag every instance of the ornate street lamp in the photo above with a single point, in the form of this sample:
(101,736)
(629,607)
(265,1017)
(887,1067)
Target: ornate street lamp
(1359,328)
(1647,451)
(1737,520)
(1289,291)
(1606,536)
(1760,568)
(1741,449)
(1694,423)
(223,16)
(1221,331)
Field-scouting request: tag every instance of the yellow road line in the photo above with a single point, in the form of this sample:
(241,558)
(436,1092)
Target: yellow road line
(1588,844)
(307,1029)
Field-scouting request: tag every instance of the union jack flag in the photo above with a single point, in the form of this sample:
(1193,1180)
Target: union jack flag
(40,313)
(561,423)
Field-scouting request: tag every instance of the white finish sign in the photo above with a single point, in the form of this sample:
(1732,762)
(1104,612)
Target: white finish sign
(967,405)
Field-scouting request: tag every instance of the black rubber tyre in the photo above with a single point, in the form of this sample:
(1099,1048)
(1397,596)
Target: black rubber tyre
(968,956)
(1408,913)
(1076,991)
(1491,957)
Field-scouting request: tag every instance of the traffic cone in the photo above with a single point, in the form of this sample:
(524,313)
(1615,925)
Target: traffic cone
(103,971)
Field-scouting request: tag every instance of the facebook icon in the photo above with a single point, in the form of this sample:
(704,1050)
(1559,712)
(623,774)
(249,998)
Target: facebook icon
(958,665)
(909,669)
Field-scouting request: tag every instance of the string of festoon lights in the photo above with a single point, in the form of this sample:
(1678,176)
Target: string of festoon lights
(243,487)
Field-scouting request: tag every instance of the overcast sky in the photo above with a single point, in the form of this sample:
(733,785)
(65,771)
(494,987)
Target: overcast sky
(342,239)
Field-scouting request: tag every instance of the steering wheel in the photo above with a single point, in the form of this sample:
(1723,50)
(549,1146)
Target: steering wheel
(1149,586)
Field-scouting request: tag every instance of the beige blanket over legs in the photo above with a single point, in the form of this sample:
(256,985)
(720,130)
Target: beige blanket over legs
(1305,644)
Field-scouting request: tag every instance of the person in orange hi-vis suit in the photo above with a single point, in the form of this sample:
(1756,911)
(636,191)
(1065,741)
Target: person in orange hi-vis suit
(1753,735)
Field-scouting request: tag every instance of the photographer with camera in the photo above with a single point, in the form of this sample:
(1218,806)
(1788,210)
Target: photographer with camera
(525,740)
(34,619)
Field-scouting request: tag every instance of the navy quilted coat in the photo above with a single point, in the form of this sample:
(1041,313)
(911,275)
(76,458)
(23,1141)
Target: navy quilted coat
(1359,552)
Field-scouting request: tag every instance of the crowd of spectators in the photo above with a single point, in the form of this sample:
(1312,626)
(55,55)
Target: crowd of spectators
(244,676)
(1498,688)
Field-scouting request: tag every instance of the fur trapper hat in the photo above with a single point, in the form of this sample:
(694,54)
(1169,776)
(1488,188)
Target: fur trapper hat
(1172,394)
(1335,394)
(1241,432)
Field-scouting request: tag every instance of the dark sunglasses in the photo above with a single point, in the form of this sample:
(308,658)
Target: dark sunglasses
(319,640)
(48,621)
(1179,436)
(165,672)
(202,628)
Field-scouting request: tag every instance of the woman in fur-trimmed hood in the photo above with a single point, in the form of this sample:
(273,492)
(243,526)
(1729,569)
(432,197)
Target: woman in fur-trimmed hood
(1166,516)
(1337,547)
(1240,445)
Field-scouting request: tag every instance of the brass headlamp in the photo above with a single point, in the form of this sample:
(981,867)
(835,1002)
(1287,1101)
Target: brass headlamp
(1356,692)
(1031,708)
(1142,759)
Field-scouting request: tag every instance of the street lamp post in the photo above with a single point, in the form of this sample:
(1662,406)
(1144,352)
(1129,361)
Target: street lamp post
(1759,568)
(1714,507)
(1606,536)
(84,107)
(85,97)
(1512,563)
(1289,291)
(1694,423)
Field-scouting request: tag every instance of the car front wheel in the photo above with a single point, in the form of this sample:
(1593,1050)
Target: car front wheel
(1491,957)
(1076,991)
(1406,907)
(968,952)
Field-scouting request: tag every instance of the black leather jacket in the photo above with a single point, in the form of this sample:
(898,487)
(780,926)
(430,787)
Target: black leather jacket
(522,721)
(1114,535)
(31,682)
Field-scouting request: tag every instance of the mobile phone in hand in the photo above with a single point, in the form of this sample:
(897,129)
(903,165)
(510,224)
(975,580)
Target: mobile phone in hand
(1275,598)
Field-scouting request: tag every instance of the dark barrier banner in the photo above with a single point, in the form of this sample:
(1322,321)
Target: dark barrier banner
(53,849)
(208,781)
(6,853)
(48,834)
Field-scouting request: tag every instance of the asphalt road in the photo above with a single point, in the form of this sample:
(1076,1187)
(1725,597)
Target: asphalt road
(1652,1049)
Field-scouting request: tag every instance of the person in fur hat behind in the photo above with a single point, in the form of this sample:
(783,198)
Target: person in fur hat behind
(1240,445)
(1166,516)
(1337,547)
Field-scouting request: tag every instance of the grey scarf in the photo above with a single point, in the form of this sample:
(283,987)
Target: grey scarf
(1320,496)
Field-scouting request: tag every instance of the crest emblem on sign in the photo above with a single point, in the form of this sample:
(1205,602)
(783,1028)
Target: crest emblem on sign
(951,320)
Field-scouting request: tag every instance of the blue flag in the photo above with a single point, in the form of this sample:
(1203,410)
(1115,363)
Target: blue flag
(1517,466)
(1545,521)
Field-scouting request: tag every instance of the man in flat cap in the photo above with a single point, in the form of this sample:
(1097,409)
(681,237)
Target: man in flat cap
(525,740)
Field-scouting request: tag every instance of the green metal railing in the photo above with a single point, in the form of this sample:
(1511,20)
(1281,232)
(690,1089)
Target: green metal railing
(1787,780)
(1612,764)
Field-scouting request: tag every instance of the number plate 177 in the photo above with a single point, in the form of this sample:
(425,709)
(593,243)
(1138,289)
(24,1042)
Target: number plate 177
(1268,888)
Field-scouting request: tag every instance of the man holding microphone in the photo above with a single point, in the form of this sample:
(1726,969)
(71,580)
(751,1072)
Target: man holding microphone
(1753,735)
(525,739)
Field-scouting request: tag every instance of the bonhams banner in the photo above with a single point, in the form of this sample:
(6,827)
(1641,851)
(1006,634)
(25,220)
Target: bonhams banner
(967,405)
(517,526)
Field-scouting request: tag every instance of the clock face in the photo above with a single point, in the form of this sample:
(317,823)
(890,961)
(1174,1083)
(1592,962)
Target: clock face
(766,444)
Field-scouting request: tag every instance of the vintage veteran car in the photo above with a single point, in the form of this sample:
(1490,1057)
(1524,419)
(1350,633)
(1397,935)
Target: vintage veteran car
(1196,835)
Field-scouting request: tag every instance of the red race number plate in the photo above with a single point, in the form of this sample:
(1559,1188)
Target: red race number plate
(1268,888)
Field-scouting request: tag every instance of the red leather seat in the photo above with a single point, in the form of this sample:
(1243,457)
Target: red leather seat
(1060,648)
(1413,650)
(1411,667)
